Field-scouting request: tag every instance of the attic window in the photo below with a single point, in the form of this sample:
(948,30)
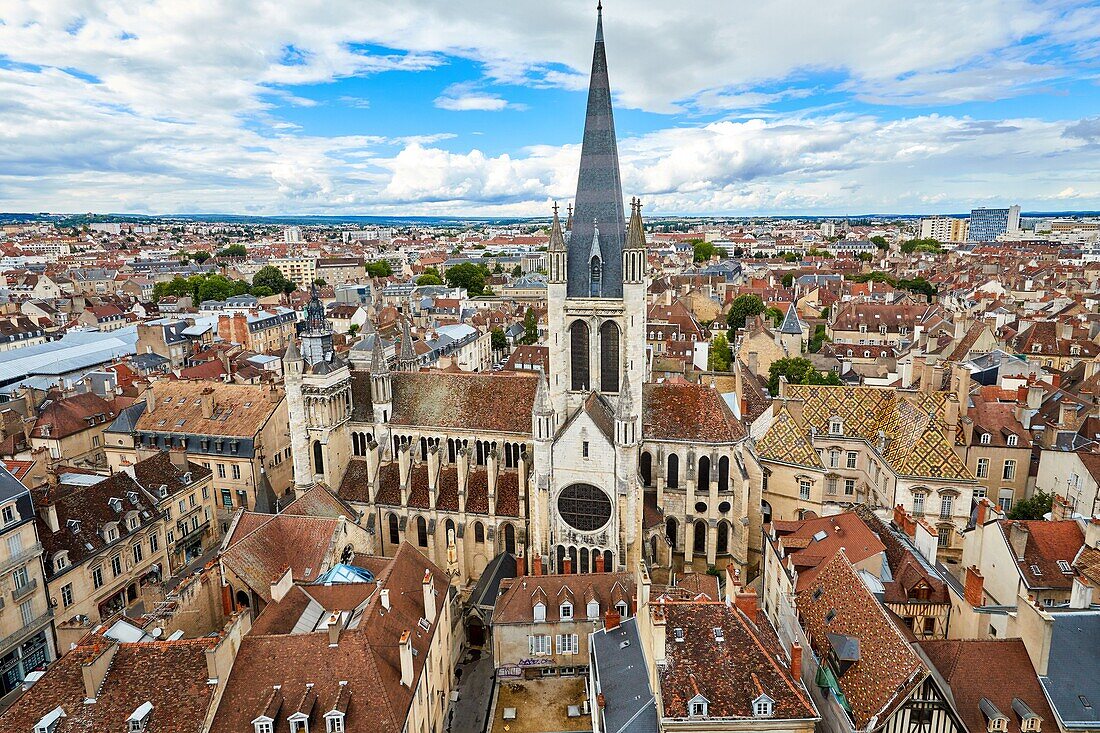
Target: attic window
(698,707)
(1036,348)
(566,611)
(830,615)
(1064,567)
(1012,440)
(818,593)
(763,706)
(334,722)
(678,635)
(985,438)
(718,635)
(836,426)
(139,719)
(1035,570)
(263,726)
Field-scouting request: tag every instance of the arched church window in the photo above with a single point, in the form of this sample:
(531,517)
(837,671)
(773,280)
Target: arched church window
(670,532)
(724,473)
(646,468)
(395,530)
(479,532)
(703,477)
(672,480)
(578,356)
(510,539)
(318,457)
(421,532)
(609,357)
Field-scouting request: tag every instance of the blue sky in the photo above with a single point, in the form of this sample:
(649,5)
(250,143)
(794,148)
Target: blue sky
(436,107)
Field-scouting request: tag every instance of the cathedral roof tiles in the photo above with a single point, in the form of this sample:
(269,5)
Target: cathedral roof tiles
(688,412)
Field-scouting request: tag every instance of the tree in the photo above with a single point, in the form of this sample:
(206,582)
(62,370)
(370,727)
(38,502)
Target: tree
(201,256)
(380,268)
(880,241)
(706,250)
(788,279)
(233,250)
(498,269)
(469,276)
(499,340)
(429,278)
(353,329)
(818,339)
(320,282)
(798,370)
(273,279)
(920,245)
(865,256)
(720,356)
(1034,507)
(530,327)
(774,315)
(517,271)
(742,307)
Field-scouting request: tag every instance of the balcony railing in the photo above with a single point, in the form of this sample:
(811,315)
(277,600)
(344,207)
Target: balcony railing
(24,590)
(11,641)
(22,558)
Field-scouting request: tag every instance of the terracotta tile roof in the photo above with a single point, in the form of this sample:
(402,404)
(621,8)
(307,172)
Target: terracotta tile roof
(1047,543)
(498,402)
(807,548)
(355,486)
(157,471)
(318,501)
(998,670)
(516,603)
(263,555)
(908,572)
(240,410)
(171,675)
(837,603)
(688,412)
(367,658)
(70,415)
(730,674)
(1087,563)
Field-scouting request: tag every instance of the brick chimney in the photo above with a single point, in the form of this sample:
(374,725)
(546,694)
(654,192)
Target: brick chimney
(982,511)
(567,566)
(179,459)
(796,661)
(537,569)
(611,619)
(429,595)
(150,401)
(599,563)
(973,587)
(746,601)
(206,397)
(521,566)
(406,645)
(334,624)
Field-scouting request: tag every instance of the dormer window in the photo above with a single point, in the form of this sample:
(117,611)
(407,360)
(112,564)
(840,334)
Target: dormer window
(299,723)
(566,611)
(334,722)
(1075,350)
(621,608)
(1065,567)
(836,426)
(763,706)
(49,722)
(1036,348)
(697,706)
(540,612)
(985,439)
(1012,440)
(139,719)
(263,725)
(593,609)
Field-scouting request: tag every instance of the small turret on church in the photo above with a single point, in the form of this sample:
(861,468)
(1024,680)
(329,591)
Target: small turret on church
(543,414)
(407,361)
(558,255)
(381,388)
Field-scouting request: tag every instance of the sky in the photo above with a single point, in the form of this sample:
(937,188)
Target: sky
(475,108)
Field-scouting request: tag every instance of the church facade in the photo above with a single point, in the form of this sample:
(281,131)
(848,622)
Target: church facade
(591,467)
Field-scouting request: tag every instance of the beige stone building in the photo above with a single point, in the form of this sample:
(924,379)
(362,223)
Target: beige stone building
(72,429)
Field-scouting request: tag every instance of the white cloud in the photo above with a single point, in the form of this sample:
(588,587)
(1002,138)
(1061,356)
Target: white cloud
(466,98)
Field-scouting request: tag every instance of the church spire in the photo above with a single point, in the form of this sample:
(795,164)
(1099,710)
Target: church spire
(407,361)
(557,239)
(599,201)
(557,254)
(378,364)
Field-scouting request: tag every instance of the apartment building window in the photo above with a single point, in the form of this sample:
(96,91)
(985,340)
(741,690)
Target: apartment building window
(221,470)
(1009,471)
(181,507)
(97,578)
(983,468)
(9,514)
(852,458)
(116,565)
(943,536)
(67,595)
(205,492)
(15,545)
(918,504)
(834,459)
(1012,441)
(154,543)
(20,578)
(539,645)
(191,501)
(139,554)
(227,498)
(236,471)
(946,503)
(830,486)
(804,489)
(849,487)
(567,644)
(242,498)
(26,610)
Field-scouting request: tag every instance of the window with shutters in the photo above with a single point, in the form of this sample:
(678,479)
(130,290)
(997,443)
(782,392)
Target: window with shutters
(568,644)
(578,356)
(539,645)
(609,357)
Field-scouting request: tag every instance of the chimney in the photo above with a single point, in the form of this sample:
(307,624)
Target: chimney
(746,601)
(567,566)
(1017,538)
(982,511)
(179,459)
(1081,594)
(599,563)
(429,595)
(274,395)
(95,670)
(611,619)
(207,399)
(150,400)
(537,569)
(334,624)
(50,515)
(406,659)
(385,596)
(973,587)
(753,362)
(282,586)
(1067,330)
(796,661)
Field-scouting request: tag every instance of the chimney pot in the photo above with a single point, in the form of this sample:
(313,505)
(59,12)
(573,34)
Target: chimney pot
(611,619)
(746,602)
(796,661)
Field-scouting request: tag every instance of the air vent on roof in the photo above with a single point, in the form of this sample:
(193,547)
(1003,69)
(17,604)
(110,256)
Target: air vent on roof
(678,634)
(718,635)
(1035,570)
(830,616)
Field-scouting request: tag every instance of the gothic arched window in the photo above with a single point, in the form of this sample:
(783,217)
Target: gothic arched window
(395,531)
(578,356)
(609,357)
(703,477)
(672,480)
(596,276)
(421,532)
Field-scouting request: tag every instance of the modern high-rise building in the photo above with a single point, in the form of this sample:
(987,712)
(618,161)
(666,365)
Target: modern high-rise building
(944,229)
(292,235)
(988,224)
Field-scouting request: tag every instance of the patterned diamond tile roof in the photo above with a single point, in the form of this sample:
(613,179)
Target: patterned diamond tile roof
(785,441)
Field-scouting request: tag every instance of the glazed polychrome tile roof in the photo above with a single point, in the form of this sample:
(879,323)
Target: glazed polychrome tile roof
(786,442)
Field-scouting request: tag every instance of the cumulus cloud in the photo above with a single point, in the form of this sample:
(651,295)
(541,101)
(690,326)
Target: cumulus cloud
(465,97)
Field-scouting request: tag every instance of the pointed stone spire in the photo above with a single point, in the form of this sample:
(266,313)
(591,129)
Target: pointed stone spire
(557,239)
(791,324)
(599,201)
(407,360)
(625,408)
(635,231)
(543,406)
(368,327)
(292,354)
(569,218)
(378,365)
(594,250)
